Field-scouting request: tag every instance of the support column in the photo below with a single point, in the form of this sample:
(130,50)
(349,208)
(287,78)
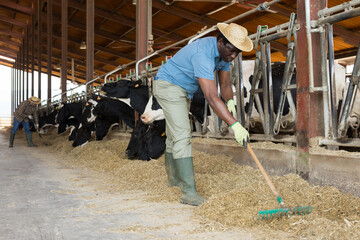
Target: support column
(39,58)
(141,31)
(310,116)
(90,11)
(15,84)
(141,35)
(27,63)
(49,49)
(17,81)
(64,46)
(12,90)
(32,54)
(23,70)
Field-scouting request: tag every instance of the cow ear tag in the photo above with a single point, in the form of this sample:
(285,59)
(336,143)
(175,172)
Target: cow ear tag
(163,134)
(87,104)
(136,85)
(98,98)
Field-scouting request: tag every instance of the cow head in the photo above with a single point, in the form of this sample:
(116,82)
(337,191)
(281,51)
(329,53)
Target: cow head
(153,112)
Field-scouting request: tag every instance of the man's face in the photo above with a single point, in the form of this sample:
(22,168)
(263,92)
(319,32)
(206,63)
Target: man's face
(227,51)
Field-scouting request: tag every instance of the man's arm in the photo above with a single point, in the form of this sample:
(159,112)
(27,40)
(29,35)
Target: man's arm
(225,85)
(210,92)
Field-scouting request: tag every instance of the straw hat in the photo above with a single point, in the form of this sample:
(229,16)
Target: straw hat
(237,36)
(34,100)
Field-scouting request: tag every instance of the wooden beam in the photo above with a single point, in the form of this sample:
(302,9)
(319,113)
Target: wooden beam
(17,7)
(183,13)
(8,41)
(7,54)
(13,21)
(347,35)
(118,19)
(115,53)
(11,33)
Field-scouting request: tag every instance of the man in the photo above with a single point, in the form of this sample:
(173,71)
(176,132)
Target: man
(174,86)
(22,114)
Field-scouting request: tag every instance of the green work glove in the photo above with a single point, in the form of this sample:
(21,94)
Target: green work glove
(241,134)
(231,106)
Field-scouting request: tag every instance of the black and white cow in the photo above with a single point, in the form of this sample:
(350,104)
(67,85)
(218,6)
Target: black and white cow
(147,141)
(69,116)
(100,115)
(121,88)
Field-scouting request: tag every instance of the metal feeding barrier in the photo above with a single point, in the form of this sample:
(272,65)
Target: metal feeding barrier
(336,126)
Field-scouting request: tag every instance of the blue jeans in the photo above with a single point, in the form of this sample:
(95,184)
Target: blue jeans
(17,124)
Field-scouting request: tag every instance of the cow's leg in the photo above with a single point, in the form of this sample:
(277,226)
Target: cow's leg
(176,105)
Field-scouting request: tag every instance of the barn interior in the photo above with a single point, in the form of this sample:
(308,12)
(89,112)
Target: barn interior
(295,92)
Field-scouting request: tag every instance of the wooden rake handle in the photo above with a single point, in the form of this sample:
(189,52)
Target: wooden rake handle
(262,170)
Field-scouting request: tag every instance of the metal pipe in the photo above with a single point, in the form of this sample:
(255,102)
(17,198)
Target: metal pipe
(284,87)
(270,87)
(274,37)
(328,11)
(206,31)
(275,29)
(340,16)
(330,38)
(117,69)
(346,106)
(309,44)
(265,87)
(261,7)
(324,82)
(240,92)
(93,80)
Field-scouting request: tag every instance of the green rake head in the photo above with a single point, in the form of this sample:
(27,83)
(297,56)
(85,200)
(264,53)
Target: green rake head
(278,213)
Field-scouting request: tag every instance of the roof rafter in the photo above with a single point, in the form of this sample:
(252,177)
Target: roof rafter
(17,7)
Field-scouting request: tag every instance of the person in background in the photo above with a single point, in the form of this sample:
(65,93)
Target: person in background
(22,114)
(192,67)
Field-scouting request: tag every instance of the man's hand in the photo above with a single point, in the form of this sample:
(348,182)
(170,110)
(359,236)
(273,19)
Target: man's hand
(30,117)
(241,134)
(231,106)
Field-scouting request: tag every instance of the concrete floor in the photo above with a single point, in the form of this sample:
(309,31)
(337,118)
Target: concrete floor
(41,200)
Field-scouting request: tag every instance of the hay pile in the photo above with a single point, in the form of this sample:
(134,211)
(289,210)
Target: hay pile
(235,193)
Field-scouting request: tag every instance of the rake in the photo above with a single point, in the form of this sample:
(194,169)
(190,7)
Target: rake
(37,130)
(283,211)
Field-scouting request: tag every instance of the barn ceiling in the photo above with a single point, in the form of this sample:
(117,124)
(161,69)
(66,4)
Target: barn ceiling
(115,29)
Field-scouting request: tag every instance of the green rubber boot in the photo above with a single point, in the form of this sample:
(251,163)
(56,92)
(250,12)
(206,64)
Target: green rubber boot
(185,172)
(170,170)
(29,140)
(12,137)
